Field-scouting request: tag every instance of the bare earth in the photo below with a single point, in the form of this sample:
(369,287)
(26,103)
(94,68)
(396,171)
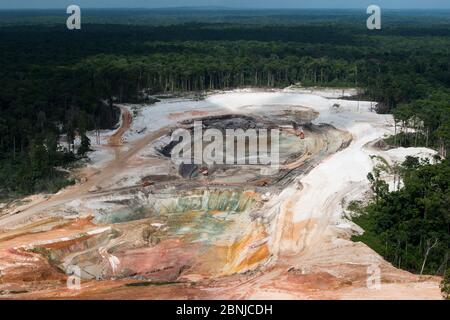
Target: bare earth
(137,240)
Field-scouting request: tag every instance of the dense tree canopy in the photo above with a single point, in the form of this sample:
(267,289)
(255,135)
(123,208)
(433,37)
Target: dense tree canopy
(410,227)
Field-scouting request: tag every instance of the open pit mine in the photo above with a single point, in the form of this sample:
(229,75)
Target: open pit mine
(139,226)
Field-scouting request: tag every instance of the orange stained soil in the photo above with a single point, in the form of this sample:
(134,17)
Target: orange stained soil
(116,139)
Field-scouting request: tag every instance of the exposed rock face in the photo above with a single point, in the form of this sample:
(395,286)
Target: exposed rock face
(143,227)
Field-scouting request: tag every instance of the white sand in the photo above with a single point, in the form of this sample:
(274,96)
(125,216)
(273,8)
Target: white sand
(341,176)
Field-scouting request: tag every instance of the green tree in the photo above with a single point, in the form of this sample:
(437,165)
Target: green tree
(445,285)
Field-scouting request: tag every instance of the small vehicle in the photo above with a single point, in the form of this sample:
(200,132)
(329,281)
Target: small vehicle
(146,184)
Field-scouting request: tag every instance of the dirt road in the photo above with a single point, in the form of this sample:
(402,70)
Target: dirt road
(116,140)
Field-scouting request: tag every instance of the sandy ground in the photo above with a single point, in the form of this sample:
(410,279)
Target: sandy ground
(303,253)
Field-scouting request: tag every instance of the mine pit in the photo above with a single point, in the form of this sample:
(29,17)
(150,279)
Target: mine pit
(197,227)
(236,230)
(178,225)
(171,227)
(300,143)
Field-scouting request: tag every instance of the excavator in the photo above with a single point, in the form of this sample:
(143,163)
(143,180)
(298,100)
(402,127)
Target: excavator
(298,132)
(301,135)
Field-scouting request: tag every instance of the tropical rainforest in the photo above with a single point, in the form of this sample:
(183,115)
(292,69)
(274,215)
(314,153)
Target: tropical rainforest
(409,226)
